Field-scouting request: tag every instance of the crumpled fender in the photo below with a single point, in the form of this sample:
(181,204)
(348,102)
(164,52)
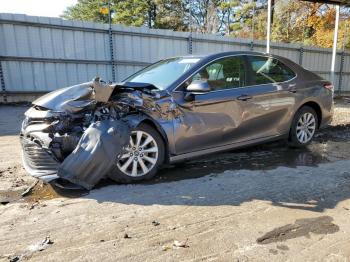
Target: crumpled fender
(96,153)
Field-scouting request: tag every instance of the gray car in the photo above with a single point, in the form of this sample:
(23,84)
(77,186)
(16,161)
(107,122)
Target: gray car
(179,108)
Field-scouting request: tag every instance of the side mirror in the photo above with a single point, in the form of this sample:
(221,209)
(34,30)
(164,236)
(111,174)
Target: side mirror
(198,87)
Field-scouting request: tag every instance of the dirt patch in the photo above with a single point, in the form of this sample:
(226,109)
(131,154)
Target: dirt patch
(301,227)
(41,191)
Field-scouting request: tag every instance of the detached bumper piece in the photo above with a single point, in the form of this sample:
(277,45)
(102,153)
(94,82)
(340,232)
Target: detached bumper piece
(96,153)
(37,161)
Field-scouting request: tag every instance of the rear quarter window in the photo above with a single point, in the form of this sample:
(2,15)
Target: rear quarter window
(266,70)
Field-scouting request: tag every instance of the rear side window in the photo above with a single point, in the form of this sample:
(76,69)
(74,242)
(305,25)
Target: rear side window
(268,70)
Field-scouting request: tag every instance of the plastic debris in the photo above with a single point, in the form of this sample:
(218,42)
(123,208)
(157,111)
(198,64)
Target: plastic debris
(179,244)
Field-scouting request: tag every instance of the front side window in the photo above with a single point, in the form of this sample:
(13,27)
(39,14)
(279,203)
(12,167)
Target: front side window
(268,70)
(163,73)
(221,74)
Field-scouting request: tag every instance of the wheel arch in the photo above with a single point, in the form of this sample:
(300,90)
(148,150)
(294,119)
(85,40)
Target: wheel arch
(138,119)
(315,106)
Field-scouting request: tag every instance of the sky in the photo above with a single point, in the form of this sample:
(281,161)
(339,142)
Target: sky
(51,8)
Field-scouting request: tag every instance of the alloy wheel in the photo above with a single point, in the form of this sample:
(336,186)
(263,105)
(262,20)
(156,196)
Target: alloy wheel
(306,127)
(140,156)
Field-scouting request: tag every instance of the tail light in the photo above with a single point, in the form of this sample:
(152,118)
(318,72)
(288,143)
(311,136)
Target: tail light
(329,86)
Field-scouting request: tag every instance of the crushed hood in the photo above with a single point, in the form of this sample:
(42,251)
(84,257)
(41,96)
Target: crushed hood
(76,98)
(70,99)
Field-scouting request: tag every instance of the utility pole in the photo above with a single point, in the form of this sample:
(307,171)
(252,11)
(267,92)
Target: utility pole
(268,35)
(110,33)
(253,27)
(335,41)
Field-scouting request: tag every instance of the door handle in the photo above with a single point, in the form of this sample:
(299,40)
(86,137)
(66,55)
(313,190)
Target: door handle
(291,88)
(244,97)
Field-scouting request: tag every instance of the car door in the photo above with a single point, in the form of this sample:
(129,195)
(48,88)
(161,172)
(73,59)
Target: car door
(270,98)
(238,108)
(213,118)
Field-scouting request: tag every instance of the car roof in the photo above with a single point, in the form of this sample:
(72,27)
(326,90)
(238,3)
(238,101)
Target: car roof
(231,53)
(205,59)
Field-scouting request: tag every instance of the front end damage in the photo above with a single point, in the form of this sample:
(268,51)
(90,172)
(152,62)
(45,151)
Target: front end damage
(77,133)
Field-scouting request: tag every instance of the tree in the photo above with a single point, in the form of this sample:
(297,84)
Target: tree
(166,14)
(293,21)
(127,12)
(170,14)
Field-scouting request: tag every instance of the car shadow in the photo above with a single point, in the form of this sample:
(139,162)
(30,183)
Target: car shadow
(314,178)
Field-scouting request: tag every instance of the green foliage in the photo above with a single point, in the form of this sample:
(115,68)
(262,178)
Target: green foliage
(293,21)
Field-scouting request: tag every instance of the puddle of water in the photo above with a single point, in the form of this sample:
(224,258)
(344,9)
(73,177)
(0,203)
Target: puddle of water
(301,227)
(331,144)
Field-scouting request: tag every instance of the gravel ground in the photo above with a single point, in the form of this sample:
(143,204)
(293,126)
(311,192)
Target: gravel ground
(265,203)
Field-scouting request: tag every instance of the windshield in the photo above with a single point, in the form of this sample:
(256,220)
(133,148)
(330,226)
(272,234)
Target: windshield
(163,73)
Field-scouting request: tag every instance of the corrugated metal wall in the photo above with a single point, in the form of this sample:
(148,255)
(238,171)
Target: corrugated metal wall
(40,54)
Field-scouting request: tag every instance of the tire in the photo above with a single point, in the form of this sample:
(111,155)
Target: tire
(124,171)
(301,134)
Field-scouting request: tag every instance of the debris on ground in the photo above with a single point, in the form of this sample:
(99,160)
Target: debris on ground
(30,188)
(40,246)
(166,248)
(126,236)
(178,244)
(14,259)
(155,223)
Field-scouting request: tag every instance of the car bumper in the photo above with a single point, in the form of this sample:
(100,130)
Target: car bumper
(38,162)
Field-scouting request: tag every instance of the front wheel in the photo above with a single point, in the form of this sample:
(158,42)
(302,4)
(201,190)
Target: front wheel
(142,157)
(303,128)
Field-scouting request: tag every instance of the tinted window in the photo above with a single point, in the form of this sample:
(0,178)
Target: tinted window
(223,74)
(269,70)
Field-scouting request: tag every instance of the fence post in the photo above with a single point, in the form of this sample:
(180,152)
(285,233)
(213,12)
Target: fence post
(110,34)
(2,82)
(190,44)
(341,68)
(111,51)
(301,54)
(251,46)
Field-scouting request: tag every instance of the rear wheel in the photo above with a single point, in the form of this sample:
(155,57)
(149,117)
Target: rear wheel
(142,157)
(303,128)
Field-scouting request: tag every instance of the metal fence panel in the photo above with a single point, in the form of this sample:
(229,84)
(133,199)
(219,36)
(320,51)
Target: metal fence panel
(43,54)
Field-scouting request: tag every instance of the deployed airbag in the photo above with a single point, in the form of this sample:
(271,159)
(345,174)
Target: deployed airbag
(96,153)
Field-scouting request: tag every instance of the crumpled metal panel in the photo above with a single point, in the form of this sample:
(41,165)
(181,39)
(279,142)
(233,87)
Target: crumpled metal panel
(76,98)
(105,138)
(96,153)
(70,99)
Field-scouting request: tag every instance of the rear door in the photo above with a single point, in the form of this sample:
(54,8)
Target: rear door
(270,98)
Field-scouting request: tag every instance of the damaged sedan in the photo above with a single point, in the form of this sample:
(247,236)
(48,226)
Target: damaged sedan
(173,110)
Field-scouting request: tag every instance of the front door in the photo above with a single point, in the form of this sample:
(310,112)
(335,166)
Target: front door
(212,119)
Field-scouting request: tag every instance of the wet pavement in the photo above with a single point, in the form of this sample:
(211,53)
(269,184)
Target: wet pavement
(330,145)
